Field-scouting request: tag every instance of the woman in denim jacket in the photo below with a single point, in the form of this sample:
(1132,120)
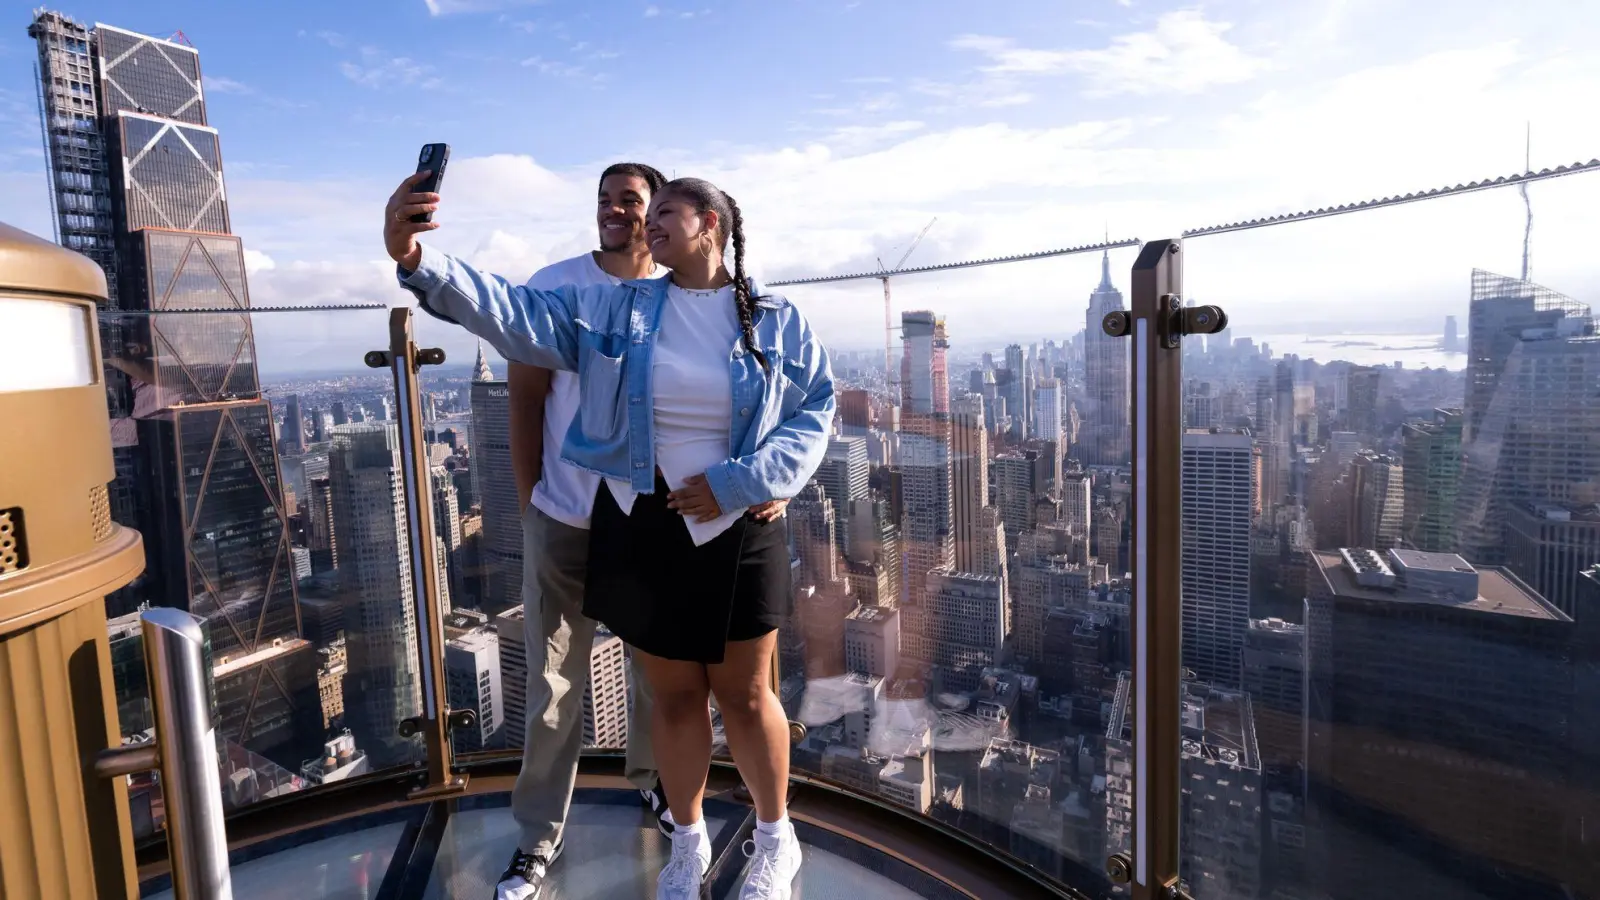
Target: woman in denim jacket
(702,396)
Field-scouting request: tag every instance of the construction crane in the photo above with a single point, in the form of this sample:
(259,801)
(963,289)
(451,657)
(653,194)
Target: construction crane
(888,313)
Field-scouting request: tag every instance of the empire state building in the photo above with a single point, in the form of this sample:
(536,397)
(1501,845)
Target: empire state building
(1105,432)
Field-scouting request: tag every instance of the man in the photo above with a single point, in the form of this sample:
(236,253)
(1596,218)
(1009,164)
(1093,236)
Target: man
(555,528)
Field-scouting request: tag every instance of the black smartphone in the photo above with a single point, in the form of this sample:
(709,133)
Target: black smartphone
(434,158)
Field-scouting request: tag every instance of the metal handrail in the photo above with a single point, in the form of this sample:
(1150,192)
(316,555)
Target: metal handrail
(185,752)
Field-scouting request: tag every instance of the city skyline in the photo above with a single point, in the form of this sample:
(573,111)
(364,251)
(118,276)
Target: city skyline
(1388,571)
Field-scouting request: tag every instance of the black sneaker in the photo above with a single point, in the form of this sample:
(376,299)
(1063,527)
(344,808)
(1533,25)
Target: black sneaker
(524,878)
(655,800)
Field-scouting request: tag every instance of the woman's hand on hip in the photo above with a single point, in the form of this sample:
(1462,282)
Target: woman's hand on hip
(694,500)
(768,511)
(399,232)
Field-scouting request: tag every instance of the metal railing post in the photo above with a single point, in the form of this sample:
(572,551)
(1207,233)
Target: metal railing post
(404,359)
(1156,322)
(191,788)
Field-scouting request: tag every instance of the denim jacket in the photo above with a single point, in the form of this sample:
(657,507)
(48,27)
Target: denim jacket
(782,415)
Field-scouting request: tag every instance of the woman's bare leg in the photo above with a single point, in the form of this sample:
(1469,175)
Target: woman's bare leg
(681,729)
(752,717)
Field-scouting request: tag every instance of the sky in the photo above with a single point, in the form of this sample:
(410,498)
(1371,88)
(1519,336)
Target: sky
(844,126)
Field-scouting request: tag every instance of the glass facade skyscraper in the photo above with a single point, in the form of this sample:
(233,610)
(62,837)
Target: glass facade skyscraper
(138,186)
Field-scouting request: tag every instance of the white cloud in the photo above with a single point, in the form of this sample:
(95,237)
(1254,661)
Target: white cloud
(374,72)
(837,201)
(256,261)
(559,69)
(1184,53)
(216,84)
(652,11)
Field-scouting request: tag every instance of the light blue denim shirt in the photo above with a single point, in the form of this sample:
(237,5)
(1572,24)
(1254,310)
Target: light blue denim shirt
(782,415)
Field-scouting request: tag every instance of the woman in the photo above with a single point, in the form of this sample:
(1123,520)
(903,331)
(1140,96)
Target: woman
(701,397)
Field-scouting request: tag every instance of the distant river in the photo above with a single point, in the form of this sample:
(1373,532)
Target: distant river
(1415,351)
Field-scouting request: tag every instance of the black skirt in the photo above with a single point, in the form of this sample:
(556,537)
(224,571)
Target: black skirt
(652,587)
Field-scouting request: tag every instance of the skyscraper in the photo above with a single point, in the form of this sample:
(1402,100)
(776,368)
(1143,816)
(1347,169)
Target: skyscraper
(966,623)
(1438,695)
(496,486)
(1502,310)
(1217,503)
(1047,410)
(605,697)
(510,626)
(1432,460)
(843,475)
(1016,388)
(136,184)
(1362,392)
(1076,497)
(1377,500)
(924,378)
(872,641)
(969,468)
(811,535)
(368,493)
(447,525)
(292,436)
(1550,545)
(1107,410)
(472,681)
(1533,426)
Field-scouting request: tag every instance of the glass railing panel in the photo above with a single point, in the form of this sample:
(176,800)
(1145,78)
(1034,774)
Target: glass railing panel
(257,456)
(1391,515)
(478,519)
(959,628)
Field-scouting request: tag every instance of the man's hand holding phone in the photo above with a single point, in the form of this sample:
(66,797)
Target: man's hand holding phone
(399,232)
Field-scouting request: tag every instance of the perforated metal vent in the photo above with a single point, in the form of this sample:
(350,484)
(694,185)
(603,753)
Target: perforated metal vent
(13,541)
(100,512)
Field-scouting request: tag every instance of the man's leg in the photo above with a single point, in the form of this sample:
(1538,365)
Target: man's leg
(560,638)
(641,759)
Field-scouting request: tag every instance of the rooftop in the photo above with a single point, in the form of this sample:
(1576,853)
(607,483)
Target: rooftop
(1431,562)
(1499,591)
(871,614)
(475,641)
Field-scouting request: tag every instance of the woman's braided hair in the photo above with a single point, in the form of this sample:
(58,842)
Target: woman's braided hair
(705,196)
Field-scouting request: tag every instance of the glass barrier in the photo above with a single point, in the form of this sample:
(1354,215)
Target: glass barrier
(256,454)
(1391,518)
(960,622)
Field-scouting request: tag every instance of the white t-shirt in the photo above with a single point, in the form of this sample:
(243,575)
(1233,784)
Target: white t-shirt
(565,492)
(693,396)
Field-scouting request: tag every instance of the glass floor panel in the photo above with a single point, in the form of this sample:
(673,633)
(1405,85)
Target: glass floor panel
(347,866)
(835,868)
(613,850)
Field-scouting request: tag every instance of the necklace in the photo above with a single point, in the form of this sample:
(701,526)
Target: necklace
(706,293)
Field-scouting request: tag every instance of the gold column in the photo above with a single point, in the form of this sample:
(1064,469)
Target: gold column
(64,833)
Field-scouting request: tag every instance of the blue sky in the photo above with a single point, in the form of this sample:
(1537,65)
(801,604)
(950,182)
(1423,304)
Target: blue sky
(843,126)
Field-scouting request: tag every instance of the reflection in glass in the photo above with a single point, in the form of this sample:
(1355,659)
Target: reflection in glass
(1387,573)
(961,612)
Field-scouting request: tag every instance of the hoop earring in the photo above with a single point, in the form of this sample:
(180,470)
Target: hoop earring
(706,246)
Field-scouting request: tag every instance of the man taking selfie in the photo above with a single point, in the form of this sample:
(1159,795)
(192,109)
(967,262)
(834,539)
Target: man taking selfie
(555,527)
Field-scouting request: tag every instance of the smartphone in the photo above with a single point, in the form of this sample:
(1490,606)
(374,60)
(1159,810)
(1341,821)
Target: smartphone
(434,158)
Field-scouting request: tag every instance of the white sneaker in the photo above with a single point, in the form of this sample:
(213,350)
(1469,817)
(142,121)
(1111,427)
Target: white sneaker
(686,870)
(774,862)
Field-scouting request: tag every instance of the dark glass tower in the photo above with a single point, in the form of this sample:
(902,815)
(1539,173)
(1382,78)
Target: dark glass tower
(197,469)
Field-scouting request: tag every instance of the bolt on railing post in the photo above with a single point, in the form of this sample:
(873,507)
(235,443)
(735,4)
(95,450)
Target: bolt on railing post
(191,787)
(404,359)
